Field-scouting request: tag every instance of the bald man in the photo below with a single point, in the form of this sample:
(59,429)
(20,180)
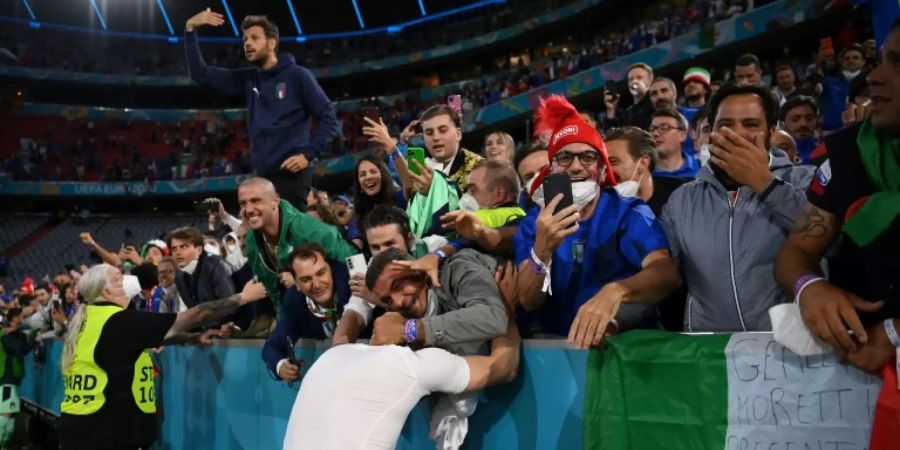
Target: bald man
(276,227)
(783,141)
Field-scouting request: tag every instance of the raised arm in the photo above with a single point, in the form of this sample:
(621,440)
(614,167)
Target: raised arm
(229,81)
(104,254)
(211,312)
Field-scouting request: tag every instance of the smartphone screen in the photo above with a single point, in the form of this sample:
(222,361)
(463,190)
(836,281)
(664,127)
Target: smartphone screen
(555,184)
(415,154)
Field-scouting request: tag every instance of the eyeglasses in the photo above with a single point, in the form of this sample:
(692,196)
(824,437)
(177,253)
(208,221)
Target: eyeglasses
(587,158)
(664,128)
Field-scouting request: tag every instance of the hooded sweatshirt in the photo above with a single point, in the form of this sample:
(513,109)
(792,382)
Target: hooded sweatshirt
(280,103)
(726,248)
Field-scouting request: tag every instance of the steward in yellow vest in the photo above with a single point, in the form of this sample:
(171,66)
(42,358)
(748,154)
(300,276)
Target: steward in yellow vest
(110,399)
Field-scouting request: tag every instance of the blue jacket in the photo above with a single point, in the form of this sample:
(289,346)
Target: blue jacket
(835,90)
(689,169)
(297,322)
(280,103)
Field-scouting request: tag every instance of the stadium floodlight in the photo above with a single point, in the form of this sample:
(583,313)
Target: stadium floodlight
(230,18)
(358,15)
(162,9)
(294,15)
(98,13)
(30,11)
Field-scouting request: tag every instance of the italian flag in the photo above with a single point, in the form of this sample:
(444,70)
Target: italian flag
(655,390)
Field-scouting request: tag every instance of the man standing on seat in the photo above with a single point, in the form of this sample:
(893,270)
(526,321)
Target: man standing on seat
(281,99)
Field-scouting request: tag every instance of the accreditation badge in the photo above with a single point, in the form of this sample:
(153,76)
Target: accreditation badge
(578,252)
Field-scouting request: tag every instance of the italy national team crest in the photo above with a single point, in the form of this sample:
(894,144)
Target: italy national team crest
(281,91)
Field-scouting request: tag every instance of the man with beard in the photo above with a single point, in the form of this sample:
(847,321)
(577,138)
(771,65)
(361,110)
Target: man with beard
(281,96)
(744,201)
(800,116)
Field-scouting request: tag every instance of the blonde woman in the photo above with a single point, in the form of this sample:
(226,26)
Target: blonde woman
(109,398)
(499,145)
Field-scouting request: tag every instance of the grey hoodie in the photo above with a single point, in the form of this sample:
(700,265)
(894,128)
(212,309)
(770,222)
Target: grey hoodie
(726,250)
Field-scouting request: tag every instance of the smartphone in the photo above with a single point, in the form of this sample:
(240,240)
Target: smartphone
(57,305)
(356,264)
(205,207)
(455,102)
(555,184)
(415,154)
(372,112)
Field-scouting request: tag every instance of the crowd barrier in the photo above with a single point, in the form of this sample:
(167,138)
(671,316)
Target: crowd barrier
(325,72)
(222,397)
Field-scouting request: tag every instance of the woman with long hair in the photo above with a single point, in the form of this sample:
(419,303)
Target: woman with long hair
(109,400)
(372,186)
(499,145)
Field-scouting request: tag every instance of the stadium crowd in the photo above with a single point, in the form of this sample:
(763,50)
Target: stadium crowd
(224,148)
(694,204)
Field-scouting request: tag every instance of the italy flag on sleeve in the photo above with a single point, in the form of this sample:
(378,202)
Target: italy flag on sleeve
(656,390)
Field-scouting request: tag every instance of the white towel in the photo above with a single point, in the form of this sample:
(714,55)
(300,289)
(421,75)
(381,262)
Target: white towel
(450,420)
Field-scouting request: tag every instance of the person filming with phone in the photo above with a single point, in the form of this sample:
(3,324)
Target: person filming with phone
(588,257)
(325,286)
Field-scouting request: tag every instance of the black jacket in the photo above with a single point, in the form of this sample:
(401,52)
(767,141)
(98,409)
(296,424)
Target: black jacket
(211,281)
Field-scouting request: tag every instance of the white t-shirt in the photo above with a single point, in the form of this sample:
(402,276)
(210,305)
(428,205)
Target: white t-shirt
(358,396)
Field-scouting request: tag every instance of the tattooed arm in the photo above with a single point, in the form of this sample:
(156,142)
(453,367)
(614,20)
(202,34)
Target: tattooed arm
(813,233)
(828,311)
(210,312)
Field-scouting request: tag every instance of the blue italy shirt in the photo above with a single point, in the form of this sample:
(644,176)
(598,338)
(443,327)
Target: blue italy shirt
(608,246)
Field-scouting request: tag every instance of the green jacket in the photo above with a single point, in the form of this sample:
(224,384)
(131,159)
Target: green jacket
(296,228)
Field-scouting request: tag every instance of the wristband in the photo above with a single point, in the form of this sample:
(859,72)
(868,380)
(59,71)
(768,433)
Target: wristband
(802,283)
(410,331)
(891,330)
(539,267)
(441,255)
(396,154)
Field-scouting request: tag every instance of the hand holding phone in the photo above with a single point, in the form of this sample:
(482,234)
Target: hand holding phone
(415,154)
(372,112)
(356,264)
(555,184)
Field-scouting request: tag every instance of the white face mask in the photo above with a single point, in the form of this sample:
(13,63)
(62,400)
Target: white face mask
(131,285)
(212,249)
(468,203)
(231,248)
(704,154)
(851,74)
(584,192)
(636,88)
(628,189)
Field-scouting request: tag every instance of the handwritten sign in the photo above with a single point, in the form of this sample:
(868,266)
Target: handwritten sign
(781,401)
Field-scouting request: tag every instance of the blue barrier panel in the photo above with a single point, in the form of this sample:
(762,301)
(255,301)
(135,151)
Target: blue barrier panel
(222,398)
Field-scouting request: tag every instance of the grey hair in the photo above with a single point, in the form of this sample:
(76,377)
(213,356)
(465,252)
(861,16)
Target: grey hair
(90,286)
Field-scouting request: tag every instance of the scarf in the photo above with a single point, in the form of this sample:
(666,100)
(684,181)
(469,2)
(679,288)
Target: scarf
(875,214)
